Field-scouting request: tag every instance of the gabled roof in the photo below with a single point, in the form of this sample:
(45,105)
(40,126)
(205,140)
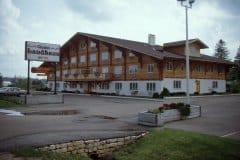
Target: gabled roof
(155,51)
(181,43)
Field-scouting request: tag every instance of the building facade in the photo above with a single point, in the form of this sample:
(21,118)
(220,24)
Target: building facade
(98,64)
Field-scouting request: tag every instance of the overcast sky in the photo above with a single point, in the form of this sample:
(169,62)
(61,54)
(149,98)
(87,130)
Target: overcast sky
(55,21)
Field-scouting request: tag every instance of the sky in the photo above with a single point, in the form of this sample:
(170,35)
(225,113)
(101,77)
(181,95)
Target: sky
(55,21)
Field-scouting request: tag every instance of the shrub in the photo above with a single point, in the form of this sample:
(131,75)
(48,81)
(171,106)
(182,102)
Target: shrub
(178,94)
(235,88)
(184,110)
(214,92)
(180,104)
(155,95)
(173,106)
(165,92)
(196,93)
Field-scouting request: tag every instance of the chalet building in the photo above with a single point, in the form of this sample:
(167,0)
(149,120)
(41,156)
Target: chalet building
(94,63)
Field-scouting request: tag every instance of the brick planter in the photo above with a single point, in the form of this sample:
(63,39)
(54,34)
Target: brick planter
(151,119)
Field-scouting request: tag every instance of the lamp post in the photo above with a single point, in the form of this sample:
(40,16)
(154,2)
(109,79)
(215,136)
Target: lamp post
(187,4)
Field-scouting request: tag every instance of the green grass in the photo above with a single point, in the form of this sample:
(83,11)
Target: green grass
(30,152)
(7,103)
(169,144)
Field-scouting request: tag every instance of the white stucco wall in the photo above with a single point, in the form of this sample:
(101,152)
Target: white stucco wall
(205,85)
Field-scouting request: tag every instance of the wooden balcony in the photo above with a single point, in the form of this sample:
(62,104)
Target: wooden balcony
(90,77)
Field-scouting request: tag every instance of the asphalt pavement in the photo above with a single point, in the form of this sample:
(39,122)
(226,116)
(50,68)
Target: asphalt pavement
(89,117)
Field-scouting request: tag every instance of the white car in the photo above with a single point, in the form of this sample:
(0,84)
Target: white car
(12,91)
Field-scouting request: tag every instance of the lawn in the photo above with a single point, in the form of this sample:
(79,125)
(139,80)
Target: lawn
(169,144)
(7,103)
(44,155)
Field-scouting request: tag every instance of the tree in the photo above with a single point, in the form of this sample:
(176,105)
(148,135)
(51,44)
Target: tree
(237,57)
(1,80)
(221,50)
(234,74)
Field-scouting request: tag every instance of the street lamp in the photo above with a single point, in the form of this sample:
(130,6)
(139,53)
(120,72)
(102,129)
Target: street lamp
(187,4)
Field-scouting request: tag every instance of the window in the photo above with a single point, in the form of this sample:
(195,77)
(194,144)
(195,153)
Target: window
(118,86)
(150,68)
(198,68)
(133,69)
(73,60)
(65,61)
(80,85)
(58,73)
(214,84)
(104,85)
(94,85)
(220,69)
(131,54)
(104,69)
(104,56)
(118,70)
(83,45)
(210,68)
(93,70)
(182,66)
(65,72)
(133,86)
(83,59)
(169,66)
(73,85)
(117,54)
(92,44)
(93,57)
(151,86)
(73,71)
(176,84)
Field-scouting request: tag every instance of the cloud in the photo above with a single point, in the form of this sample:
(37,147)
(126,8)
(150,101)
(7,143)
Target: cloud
(94,10)
(56,21)
(9,27)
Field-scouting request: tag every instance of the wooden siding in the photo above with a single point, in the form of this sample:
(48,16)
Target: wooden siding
(207,70)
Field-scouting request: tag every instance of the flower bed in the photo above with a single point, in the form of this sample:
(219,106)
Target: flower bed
(168,113)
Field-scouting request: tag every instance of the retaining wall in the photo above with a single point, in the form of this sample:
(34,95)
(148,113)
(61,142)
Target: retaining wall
(96,147)
(42,99)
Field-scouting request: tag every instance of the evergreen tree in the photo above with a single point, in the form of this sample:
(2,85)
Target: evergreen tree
(237,57)
(221,50)
(1,80)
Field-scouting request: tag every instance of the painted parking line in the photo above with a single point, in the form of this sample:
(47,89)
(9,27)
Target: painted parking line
(231,134)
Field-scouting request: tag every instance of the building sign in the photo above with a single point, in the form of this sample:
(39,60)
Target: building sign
(37,51)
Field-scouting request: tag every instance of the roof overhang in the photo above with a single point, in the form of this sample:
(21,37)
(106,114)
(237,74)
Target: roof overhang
(200,43)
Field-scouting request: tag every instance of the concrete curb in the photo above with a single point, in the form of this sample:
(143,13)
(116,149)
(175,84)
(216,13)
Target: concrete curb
(203,96)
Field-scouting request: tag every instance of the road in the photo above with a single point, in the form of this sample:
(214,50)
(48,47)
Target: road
(105,117)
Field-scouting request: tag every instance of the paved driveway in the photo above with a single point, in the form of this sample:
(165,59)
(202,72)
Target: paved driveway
(220,116)
(104,117)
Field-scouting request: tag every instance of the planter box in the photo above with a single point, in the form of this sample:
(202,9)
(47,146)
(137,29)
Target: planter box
(151,119)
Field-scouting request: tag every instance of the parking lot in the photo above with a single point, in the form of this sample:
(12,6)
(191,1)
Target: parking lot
(88,117)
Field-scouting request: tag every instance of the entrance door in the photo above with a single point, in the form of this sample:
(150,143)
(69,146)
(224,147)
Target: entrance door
(198,86)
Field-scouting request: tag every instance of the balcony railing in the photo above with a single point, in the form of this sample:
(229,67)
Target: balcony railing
(89,77)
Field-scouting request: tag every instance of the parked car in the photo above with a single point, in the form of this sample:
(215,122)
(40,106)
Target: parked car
(12,91)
